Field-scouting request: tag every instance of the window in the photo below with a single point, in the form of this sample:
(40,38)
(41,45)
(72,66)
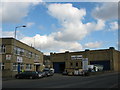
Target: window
(27,53)
(15,50)
(30,54)
(22,52)
(71,64)
(28,66)
(81,63)
(15,66)
(18,51)
(36,57)
(33,55)
(2,66)
(2,48)
(21,66)
(76,64)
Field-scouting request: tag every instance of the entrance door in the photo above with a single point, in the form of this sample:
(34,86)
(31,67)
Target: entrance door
(37,67)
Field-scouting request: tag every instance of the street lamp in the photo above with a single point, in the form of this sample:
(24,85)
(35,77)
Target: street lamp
(14,45)
(16,29)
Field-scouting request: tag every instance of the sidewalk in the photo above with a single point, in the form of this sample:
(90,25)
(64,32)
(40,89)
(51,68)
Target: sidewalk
(5,79)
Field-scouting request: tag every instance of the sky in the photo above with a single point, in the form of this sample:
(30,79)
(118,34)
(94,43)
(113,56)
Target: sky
(62,26)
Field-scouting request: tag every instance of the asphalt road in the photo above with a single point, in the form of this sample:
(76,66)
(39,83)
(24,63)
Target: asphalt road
(108,80)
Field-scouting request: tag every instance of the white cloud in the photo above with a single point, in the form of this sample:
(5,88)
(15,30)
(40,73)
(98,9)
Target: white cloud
(6,33)
(66,12)
(14,12)
(93,45)
(114,26)
(72,30)
(70,19)
(106,11)
(29,24)
(22,1)
(48,43)
(100,25)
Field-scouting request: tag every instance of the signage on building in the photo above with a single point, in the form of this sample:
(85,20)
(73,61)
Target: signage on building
(85,63)
(8,57)
(76,57)
(35,60)
(19,59)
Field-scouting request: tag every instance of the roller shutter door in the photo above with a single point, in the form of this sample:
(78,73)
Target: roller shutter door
(106,64)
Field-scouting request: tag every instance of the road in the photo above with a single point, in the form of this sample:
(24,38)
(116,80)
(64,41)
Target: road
(107,80)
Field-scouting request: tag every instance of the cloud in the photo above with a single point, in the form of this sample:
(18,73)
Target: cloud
(29,24)
(93,45)
(6,33)
(50,44)
(100,25)
(114,25)
(72,30)
(14,12)
(35,1)
(70,18)
(66,12)
(106,11)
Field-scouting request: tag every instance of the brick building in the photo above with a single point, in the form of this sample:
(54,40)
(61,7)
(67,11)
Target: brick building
(109,58)
(16,56)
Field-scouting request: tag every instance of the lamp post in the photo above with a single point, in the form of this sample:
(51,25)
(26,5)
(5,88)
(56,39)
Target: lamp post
(16,29)
(18,69)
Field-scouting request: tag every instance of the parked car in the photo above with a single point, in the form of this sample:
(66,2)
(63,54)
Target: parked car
(52,70)
(65,73)
(48,72)
(70,73)
(43,74)
(28,74)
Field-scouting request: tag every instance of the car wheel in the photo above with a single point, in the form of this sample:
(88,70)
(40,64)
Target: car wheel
(31,77)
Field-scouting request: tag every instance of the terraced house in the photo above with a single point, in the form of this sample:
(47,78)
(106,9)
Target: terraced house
(16,56)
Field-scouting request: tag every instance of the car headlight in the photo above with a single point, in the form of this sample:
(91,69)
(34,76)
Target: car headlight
(40,75)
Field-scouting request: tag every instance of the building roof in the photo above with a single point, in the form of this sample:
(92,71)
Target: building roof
(20,42)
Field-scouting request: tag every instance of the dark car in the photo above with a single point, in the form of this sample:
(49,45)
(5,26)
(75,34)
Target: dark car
(28,74)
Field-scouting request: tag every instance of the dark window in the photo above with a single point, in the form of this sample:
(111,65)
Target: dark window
(77,64)
(71,64)
(81,63)
(2,48)
(2,66)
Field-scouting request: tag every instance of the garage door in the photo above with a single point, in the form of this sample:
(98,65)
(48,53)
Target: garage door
(59,67)
(106,64)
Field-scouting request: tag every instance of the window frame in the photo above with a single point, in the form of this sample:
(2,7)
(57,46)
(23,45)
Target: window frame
(14,66)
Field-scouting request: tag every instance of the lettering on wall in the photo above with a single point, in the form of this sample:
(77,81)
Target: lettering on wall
(76,57)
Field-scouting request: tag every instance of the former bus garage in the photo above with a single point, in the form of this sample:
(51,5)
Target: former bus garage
(70,61)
